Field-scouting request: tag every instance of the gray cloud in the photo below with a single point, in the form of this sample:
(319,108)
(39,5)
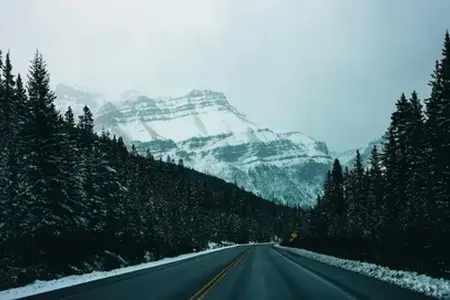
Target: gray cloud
(331,69)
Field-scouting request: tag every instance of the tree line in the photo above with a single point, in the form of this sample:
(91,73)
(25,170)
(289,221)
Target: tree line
(73,201)
(397,211)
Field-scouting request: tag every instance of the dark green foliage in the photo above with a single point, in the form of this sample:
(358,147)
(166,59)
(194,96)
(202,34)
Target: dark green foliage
(397,212)
(72,201)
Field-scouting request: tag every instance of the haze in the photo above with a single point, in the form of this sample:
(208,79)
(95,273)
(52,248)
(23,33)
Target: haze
(330,69)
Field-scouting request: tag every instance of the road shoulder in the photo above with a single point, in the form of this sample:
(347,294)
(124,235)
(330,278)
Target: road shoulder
(361,286)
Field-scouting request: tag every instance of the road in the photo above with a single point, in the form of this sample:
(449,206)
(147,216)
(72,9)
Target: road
(245,272)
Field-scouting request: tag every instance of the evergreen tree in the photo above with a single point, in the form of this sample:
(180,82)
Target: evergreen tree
(9,103)
(416,193)
(3,217)
(44,174)
(357,209)
(22,102)
(376,191)
(398,210)
(74,177)
(338,204)
(324,210)
(438,146)
(9,182)
(87,143)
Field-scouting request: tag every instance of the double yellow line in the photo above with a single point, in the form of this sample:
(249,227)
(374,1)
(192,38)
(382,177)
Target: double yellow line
(215,281)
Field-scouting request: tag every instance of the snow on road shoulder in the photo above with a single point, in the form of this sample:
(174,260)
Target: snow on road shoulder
(44,286)
(434,287)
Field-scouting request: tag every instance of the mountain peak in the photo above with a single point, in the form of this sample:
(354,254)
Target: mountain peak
(205,93)
(348,158)
(199,113)
(210,135)
(77,98)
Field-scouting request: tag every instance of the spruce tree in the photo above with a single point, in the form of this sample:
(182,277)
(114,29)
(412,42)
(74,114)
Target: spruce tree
(376,193)
(357,210)
(338,204)
(74,176)
(416,184)
(438,146)
(22,102)
(9,183)
(324,208)
(87,143)
(43,152)
(3,217)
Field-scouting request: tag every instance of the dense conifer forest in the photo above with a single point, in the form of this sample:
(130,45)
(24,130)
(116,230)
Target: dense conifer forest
(72,201)
(396,212)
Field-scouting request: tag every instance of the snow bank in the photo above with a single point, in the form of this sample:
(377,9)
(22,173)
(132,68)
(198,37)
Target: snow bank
(434,287)
(44,286)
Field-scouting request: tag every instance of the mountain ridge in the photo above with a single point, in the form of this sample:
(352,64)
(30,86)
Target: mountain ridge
(210,135)
(348,158)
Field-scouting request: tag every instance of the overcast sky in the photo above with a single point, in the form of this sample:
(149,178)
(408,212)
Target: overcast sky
(330,69)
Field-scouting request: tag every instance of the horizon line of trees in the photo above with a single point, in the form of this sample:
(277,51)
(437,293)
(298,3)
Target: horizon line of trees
(397,211)
(73,201)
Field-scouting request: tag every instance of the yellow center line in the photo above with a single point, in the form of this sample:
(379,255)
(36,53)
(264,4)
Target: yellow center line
(213,282)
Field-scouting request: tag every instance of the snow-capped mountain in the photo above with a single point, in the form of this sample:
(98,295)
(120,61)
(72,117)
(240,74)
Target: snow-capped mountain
(77,98)
(211,136)
(348,158)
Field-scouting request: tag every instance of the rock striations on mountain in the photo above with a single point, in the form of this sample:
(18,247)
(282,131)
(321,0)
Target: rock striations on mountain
(204,130)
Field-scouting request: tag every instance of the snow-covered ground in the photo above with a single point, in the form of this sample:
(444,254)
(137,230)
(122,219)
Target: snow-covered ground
(434,287)
(44,286)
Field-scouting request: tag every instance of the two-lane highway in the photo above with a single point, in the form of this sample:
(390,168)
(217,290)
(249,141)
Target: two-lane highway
(244,272)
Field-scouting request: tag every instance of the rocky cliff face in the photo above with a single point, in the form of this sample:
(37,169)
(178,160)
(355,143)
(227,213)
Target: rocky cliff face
(211,136)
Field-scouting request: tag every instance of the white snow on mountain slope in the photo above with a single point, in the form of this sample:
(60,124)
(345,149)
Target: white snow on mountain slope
(262,161)
(348,158)
(77,98)
(198,114)
(211,136)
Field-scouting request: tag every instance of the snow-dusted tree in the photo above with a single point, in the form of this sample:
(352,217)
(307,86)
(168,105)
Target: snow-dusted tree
(44,175)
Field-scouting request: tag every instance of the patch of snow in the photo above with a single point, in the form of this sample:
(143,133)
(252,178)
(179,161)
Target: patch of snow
(213,245)
(434,287)
(135,131)
(212,137)
(347,158)
(198,124)
(44,286)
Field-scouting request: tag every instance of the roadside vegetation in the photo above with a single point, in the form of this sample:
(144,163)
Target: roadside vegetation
(395,213)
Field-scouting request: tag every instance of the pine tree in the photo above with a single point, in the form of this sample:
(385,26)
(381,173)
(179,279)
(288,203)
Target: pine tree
(376,192)
(438,146)
(87,143)
(338,204)
(74,176)
(110,189)
(22,102)
(9,182)
(44,175)
(324,210)
(3,217)
(444,127)
(416,192)
(8,104)
(396,160)
(357,213)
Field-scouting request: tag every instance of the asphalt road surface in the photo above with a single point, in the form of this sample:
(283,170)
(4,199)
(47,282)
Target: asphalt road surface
(245,272)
